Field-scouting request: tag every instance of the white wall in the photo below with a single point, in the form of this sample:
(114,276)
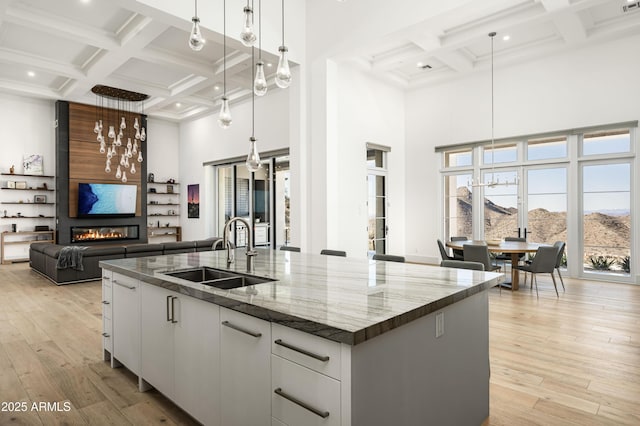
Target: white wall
(27,127)
(203,140)
(366,111)
(583,87)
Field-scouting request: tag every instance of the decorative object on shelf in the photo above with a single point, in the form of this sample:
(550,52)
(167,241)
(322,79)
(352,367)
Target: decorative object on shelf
(283,73)
(224,119)
(196,42)
(32,164)
(171,181)
(40,199)
(14,227)
(493,182)
(117,105)
(11,184)
(169,189)
(193,201)
(152,190)
(21,184)
(41,228)
(151,178)
(12,169)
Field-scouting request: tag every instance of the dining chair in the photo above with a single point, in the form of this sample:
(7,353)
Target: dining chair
(544,262)
(290,248)
(561,246)
(507,257)
(388,258)
(461,264)
(479,253)
(443,252)
(458,254)
(328,252)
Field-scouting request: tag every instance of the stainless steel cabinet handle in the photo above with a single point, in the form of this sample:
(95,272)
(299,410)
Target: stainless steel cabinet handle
(168,309)
(106,278)
(124,285)
(242,330)
(323,414)
(173,310)
(106,302)
(323,358)
(105,334)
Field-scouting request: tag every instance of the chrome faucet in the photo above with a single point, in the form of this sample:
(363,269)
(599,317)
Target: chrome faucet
(250,249)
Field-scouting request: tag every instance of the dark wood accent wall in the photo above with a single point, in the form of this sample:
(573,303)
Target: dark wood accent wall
(86,164)
(79,160)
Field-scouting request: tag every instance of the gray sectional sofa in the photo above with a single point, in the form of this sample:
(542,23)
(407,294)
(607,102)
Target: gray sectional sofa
(43,257)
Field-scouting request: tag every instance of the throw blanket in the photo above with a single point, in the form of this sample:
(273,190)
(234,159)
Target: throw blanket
(71,257)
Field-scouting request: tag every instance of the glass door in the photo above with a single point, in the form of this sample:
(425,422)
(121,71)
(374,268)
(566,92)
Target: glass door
(501,205)
(377,213)
(545,215)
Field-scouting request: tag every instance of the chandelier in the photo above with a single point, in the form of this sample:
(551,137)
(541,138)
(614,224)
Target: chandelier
(119,111)
(494,181)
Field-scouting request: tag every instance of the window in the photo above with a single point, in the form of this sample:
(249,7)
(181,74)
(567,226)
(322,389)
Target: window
(609,142)
(458,206)
(501,154)
(458,158)
(377,228)
(548,148)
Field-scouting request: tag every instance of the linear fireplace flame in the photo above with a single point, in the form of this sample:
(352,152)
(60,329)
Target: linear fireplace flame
(104,233)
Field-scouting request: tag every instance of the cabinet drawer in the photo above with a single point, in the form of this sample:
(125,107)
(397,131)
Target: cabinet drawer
(301,396)
(124,281)
(314,352)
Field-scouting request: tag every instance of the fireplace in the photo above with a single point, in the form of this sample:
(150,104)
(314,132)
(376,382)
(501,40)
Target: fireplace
(81,234)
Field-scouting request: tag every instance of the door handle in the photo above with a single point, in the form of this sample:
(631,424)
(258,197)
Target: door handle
(173,310)
(168,308)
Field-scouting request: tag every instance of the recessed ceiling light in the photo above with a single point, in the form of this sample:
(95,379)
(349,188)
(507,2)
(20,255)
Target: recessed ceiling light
(419,64)
(269,64)
(31,73)
(85,1)
(506,38)
(216,87)
(178,104)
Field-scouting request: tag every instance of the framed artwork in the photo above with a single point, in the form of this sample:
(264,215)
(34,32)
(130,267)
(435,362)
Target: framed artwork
(193,201)
(32,164)
(40,199)
(11,184)
(21,184)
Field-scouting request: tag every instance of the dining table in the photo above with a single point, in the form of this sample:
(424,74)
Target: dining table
(514,248)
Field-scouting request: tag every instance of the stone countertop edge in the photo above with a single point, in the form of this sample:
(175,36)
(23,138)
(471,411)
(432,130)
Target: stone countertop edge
(309,326)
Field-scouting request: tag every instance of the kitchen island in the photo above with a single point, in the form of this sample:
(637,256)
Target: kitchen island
(329,341)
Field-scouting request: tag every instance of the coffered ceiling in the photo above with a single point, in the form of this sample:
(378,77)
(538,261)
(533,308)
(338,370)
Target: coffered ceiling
(60,49)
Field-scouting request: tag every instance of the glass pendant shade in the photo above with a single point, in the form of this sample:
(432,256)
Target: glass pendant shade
(103,147)
(118,172)
(112,132)
(137,134)
(224,119)
(133,168)
(196,42)
(100,125)
(96,128)
(123,124)
(135,148)
(253,159)
(124,176)
(136,125)
(100,138)
(283,73)
(143,135)
(139,156)
(247,36)
(129,144)
(260,83)
(107,167)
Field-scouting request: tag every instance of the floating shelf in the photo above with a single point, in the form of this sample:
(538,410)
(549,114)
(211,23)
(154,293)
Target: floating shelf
(163,183)
(164,193)
(169,215)
(26,217)
(20,174)
(28,204)
(163,204)
(27,189)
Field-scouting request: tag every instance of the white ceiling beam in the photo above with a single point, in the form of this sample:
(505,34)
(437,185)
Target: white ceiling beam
(177,62)
(571,28)
(407,53)
(22,89)
(551,5)
(39,63)
(455,60)
(58,26)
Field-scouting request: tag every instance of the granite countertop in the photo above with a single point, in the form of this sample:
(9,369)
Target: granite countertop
(343,299)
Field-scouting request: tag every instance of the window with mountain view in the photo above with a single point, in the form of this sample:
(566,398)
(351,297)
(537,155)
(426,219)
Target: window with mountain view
(458,213)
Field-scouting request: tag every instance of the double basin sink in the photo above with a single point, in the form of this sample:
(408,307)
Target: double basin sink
(217,278)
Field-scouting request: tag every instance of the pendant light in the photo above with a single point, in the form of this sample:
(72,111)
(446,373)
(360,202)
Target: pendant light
(196,42)
(253,158)
(260,82)
(493,182)
(283,73)
(224,119)
(247,36)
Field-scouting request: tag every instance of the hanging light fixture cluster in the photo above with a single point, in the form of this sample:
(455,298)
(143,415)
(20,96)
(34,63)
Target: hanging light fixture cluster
(494,181)
(119,108)
(248,38)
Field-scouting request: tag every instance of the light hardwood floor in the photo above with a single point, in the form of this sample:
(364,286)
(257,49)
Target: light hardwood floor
(568,361)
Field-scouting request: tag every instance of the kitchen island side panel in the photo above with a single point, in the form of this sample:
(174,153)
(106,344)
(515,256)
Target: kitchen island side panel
(410,377)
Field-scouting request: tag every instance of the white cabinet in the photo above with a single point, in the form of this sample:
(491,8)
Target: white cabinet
(245,370)
(126,321)
(107,315)
(180,350)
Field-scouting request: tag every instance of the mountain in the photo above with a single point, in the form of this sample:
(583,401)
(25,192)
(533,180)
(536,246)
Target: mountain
(604,234)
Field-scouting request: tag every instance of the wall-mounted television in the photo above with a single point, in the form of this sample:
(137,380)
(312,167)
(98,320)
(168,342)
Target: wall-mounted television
(106,200)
